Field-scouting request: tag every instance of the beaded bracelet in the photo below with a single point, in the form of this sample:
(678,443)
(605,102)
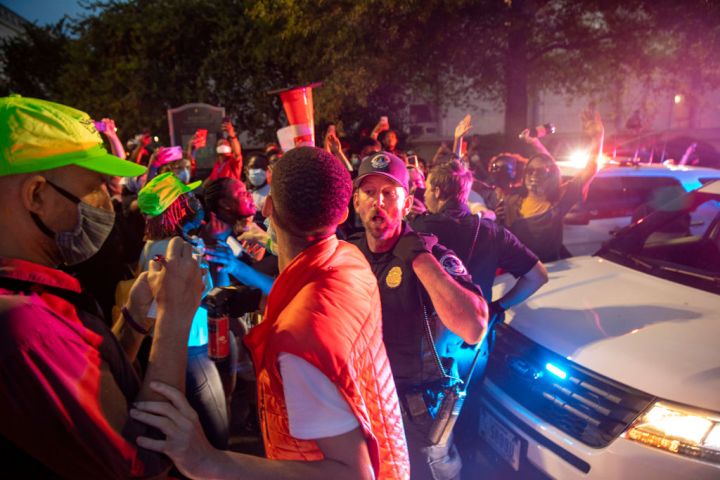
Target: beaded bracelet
(133,324)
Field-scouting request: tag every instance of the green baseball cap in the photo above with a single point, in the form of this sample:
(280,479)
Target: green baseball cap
(160,192)
(39,135)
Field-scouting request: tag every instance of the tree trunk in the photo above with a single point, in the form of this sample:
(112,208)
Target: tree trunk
(516,70)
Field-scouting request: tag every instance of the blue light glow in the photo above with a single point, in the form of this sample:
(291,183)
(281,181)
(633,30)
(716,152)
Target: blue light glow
(555,371)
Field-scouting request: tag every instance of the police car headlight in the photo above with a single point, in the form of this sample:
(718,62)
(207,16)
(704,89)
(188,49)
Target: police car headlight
(679,430)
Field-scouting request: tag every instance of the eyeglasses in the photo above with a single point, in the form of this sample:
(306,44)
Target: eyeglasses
(540,171)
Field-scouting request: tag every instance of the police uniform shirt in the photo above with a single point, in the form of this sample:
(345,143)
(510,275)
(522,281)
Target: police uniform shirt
(402,296)
(495,247)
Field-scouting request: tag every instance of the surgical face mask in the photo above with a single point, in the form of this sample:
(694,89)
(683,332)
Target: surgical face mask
(184,175)
(256,176)
(87,237)
(223,150)
(134,184)
(273,236)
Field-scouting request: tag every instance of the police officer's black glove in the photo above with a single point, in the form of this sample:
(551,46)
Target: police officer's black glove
(496,313)
(413,244)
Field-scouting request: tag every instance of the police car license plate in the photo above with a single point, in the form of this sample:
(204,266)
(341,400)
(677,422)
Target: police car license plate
(500,438)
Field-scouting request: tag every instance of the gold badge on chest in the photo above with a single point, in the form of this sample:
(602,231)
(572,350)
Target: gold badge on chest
(394,277)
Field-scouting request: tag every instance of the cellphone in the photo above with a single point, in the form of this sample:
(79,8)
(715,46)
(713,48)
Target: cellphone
(235,246)
(412,161)
(99,126)
(331,130)
(384,119)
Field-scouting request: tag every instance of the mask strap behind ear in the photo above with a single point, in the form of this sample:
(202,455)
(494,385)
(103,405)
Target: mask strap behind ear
(43,228)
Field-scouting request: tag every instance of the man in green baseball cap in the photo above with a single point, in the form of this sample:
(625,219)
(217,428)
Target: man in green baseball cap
(68,379)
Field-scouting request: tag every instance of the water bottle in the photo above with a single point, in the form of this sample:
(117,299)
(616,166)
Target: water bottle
(542,130)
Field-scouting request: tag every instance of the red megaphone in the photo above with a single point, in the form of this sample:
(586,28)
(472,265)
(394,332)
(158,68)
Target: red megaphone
(298,105)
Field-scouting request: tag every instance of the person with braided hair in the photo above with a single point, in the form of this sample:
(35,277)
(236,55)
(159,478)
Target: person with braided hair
(172,210)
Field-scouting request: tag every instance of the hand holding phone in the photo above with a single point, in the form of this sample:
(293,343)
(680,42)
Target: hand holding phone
(200,138)
(412,161)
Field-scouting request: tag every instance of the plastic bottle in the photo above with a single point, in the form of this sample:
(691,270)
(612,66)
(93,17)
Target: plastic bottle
(542,130)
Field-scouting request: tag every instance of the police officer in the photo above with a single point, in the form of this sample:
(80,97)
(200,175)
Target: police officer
(424,289)
(481,244)
(484,246)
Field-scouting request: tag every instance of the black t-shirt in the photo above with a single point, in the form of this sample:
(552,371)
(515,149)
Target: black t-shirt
(403,298)
(495,247)
(543,233)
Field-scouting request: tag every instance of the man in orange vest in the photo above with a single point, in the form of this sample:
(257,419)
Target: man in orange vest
(328,404)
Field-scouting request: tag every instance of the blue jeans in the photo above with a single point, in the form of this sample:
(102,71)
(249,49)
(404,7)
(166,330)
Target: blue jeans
(430,462)
(204,391)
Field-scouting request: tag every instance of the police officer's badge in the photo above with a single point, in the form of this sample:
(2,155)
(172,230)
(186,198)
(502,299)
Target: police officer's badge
(379,162)
(453,265)
(394,277)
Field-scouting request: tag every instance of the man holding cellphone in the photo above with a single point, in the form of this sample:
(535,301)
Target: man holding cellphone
(229,160)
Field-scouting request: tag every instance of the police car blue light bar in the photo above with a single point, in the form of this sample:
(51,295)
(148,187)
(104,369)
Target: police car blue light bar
(558,372)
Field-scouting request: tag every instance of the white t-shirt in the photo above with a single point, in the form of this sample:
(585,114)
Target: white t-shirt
(199,330)
(315,407)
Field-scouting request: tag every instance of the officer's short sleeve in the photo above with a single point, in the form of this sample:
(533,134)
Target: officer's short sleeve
(515,257)
(452,264)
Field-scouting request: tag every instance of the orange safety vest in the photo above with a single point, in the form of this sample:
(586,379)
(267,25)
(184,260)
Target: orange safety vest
(325,308)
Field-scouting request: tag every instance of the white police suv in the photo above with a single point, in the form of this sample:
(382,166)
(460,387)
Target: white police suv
(612,370)
(615,195)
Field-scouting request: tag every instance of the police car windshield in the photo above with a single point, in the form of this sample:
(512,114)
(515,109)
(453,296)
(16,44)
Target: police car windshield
(679,240)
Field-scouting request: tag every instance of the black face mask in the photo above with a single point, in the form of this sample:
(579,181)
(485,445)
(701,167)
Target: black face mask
(502,175)
(84,241)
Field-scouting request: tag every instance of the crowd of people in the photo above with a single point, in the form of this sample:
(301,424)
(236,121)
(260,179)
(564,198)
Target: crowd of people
(373,269)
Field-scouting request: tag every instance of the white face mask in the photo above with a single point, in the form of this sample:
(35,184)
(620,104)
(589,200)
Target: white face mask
(256,176)
(273,236)
(223,149)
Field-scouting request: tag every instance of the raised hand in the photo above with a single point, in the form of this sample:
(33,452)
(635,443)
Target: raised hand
(228,127)
(592,123)
(382,125)
(110,129)
(145,139)
(463,127)
(525,137)
(332,142)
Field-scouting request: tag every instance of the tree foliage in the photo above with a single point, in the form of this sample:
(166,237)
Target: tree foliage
(134,59)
